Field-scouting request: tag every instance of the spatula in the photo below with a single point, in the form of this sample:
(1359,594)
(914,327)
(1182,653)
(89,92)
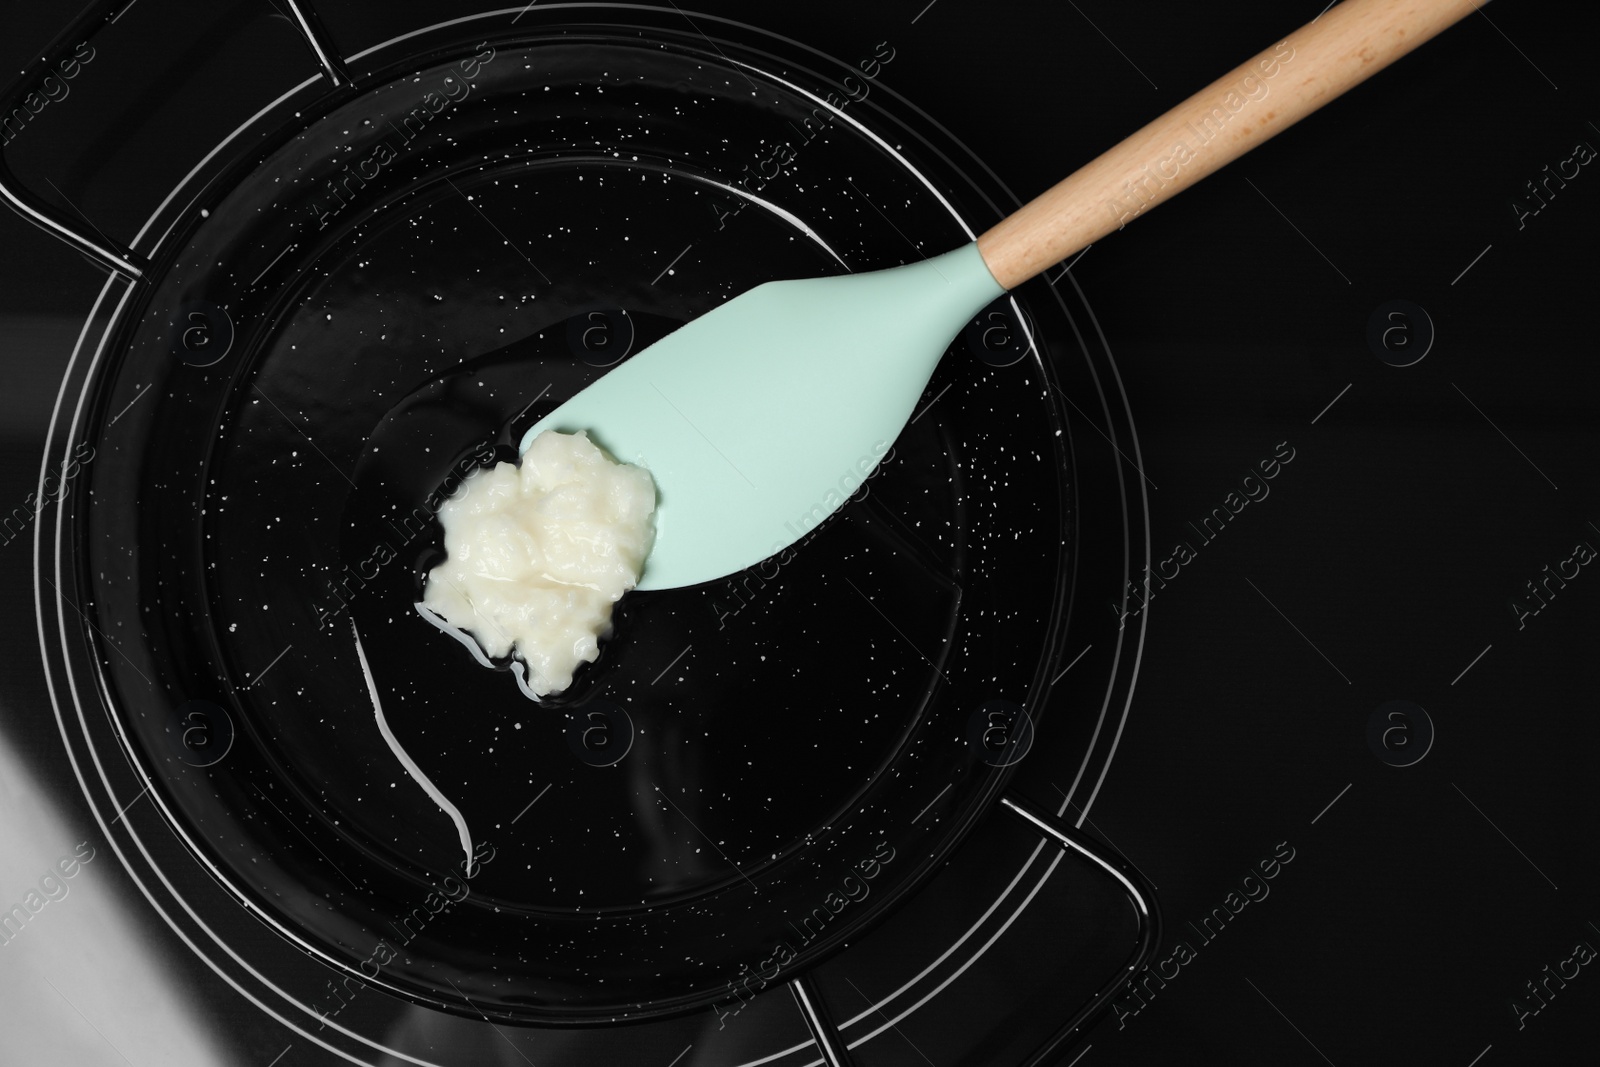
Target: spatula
(760,418)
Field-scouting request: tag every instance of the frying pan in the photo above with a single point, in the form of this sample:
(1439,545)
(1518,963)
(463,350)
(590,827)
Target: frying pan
(357,311)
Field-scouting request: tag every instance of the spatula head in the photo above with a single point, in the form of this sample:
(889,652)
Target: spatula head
(760,418)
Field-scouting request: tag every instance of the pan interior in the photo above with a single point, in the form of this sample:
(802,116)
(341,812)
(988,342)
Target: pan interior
(753,765)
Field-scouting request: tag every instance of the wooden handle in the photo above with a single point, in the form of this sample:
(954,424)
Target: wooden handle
(1339,49)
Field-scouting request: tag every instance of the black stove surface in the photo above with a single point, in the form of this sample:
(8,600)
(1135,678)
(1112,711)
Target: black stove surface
(1354,764)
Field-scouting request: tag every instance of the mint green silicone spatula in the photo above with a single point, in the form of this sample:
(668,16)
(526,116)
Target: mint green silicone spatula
(758,419)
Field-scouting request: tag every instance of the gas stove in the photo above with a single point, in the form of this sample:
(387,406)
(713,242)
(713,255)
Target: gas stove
(1323,684)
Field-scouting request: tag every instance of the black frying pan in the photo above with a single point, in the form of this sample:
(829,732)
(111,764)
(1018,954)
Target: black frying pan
(385,295)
